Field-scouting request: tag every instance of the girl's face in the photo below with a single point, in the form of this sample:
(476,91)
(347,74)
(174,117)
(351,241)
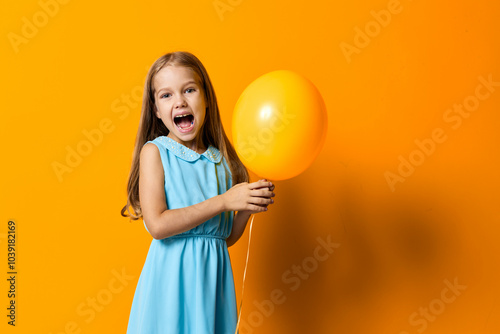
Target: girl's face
(180,103)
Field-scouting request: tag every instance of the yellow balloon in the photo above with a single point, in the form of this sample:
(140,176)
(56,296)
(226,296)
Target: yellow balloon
(279,125)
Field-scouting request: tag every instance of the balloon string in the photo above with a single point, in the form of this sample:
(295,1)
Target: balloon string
(244,275)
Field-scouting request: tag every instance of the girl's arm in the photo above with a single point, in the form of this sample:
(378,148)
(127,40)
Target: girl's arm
(162,222)
(239,224)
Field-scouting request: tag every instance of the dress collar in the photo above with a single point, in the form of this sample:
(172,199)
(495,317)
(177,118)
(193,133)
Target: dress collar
(211,154)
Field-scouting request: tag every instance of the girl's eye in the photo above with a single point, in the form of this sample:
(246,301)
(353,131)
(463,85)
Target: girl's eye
(189,90)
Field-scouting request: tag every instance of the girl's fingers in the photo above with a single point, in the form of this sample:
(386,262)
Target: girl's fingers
(257,208)
(261,201)
(261,193)
(260,184)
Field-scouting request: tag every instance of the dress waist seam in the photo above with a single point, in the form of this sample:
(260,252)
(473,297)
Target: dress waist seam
(211,236)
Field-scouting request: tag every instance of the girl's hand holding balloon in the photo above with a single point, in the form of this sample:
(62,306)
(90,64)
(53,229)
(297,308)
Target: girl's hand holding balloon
(251,197)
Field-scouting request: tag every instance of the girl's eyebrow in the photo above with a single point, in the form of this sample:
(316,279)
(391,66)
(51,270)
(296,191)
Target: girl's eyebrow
(185,84)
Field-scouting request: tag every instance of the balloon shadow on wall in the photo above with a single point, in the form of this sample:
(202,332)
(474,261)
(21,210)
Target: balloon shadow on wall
(285,258)
(395,253)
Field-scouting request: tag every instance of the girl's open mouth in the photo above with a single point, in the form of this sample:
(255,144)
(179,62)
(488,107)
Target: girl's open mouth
(184,123)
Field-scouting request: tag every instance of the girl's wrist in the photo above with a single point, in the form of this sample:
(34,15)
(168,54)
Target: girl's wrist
(221,203)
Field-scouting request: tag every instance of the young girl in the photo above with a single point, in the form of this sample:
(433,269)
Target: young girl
(186,182)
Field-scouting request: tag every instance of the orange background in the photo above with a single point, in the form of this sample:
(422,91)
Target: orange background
(397,247)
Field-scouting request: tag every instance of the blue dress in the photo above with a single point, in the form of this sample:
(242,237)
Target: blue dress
(186,284)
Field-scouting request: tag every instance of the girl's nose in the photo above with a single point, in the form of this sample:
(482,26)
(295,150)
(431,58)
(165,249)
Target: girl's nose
(180,102)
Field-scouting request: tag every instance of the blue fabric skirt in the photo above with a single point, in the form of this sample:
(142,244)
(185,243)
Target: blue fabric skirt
(186,286)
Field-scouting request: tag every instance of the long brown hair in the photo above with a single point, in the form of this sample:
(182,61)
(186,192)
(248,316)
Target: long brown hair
(151,127)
